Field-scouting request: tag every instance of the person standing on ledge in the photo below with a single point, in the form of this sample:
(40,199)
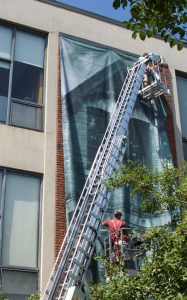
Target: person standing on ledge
(113,226)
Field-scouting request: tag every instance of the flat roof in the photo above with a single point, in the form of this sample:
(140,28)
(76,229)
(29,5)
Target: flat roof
(82,11)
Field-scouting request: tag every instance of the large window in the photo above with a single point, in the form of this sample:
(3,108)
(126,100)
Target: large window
(20,218)
(182,97)
(21,78)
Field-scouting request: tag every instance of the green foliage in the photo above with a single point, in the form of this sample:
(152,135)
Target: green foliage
(167,17)
(159,192)
(35,296)
(2,297)
(164,274)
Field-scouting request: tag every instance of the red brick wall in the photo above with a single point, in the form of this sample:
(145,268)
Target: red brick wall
(60,209)
(170,123)
(60,206)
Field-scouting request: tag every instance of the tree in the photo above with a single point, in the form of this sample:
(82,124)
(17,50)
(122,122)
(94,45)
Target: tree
(164,275)
(150,17)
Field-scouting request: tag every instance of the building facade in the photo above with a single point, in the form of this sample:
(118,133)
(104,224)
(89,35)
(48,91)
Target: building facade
(52,53)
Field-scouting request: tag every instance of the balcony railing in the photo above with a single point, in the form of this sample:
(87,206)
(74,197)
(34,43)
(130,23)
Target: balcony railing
(133,250)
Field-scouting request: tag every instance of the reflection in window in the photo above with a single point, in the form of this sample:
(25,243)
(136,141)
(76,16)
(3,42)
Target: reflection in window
(26,116)
(18,285)
(4,79)
(21,221)
(28,69)
(5,42)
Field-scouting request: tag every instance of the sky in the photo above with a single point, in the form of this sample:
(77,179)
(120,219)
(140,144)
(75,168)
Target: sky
(101,7)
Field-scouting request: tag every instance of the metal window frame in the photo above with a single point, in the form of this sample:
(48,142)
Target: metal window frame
(11,60)
(2,205)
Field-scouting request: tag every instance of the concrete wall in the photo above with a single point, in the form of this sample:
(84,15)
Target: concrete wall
(33,151)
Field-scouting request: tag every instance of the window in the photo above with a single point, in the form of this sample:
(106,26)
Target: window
(21,78)
(182,97)
(20,208)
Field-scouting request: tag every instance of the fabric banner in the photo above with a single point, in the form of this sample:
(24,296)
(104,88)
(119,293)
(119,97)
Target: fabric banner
(91,80)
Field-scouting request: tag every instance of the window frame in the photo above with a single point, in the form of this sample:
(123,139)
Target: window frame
(181,75)
(11,61)
(2,205)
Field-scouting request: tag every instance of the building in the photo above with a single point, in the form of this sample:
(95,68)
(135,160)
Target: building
(40,149)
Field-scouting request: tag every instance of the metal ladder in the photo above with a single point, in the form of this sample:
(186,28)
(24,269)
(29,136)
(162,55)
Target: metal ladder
(78,245)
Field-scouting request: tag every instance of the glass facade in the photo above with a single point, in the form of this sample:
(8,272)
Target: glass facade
(21,78)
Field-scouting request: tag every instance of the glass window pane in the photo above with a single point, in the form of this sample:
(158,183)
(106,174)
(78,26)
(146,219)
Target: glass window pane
(185,149)
(27,82)
(21,217)
(5,42)
(26,116)
(29,49)
(28,72)
(1,177)
(182,96)
(4,80)
(17,285)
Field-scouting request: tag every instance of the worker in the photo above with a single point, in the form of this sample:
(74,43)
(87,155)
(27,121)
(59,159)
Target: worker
(113,226)
(149,75)
(147,78)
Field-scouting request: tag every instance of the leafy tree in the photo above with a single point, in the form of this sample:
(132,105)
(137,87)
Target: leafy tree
(164,274)
(35,296)
(150,17)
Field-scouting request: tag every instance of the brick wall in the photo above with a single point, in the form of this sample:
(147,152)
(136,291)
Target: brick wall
(170,123)
(60,209)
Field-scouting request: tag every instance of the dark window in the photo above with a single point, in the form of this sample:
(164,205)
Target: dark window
(4,80)
(22,74)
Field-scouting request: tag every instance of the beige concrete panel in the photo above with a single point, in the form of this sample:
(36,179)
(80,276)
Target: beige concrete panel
(21,149)
(48,209)
(176,117)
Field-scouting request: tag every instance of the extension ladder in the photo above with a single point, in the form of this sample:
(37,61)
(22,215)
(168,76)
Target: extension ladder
(78,245)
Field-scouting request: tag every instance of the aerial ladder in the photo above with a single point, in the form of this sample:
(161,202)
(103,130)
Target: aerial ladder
(67,277)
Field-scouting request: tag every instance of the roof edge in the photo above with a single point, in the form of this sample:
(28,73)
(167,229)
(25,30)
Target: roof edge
(82,11)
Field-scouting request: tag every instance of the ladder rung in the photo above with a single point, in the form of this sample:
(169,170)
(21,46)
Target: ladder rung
(73,276)
(92,194)
(82,250)
(117,148)
(78,263)
(97,203)
(95,216)
(112,166)
(91,226)
(100,192)
(86,238)
(109,175)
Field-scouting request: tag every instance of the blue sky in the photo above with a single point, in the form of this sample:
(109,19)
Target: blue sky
(101,7)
